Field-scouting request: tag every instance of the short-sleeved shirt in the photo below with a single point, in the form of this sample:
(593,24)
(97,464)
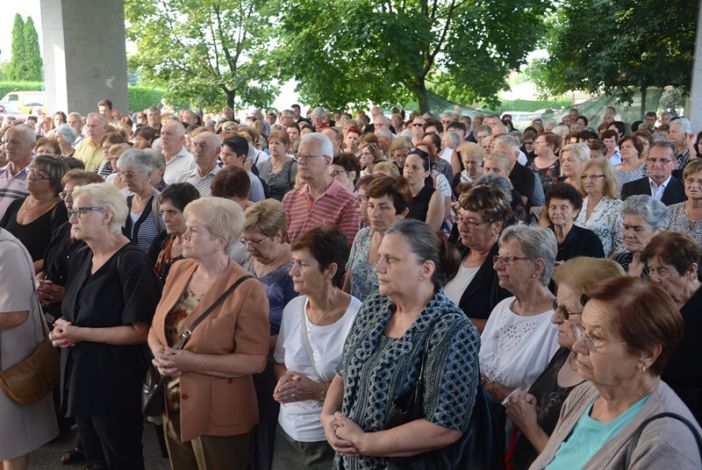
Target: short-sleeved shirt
(680,222)
(278,183)
(606,221)
(202,183)
(279,287)
(181,163)
(336,207)
(364,281)
(377,369)
(99,378)
(90,154)
(12,187)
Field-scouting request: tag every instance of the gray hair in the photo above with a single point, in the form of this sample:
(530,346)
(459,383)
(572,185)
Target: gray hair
(143,161)
(102,119)
(508,140)
(684,124)
(110,198)
(654,212)
(67,133)
(579,151)
(320,112)
(325,144)
(536,242)
(159,159)
(484,128)
(28,132)
(455,138)
(499,182)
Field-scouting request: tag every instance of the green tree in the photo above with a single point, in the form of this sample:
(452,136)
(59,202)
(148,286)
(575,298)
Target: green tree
(206,52)
(344,52)
(618,46)
(14,68)
(33,65)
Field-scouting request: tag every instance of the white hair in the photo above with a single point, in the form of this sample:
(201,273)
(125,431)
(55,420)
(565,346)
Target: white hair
(110,198)
(325,144)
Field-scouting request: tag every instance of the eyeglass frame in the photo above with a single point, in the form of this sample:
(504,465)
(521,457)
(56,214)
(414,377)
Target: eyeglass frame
(508,260)
(579,334)
(78,211)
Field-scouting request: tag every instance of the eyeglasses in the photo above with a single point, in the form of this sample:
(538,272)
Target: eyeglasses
(690,181)
(508,259)
(128,174)
(469,223)
(562,310)
(34,174)
(592,344)
(591,177)
(253,242)
(307,157)
(528,142)
(336,173)
(416,124)
(79,211)
(662,161)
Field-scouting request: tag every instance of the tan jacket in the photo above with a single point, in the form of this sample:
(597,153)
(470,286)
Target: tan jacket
(209,405)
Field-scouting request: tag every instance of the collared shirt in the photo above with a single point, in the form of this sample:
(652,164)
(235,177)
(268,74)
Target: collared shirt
(616,158)
(658,190)
(336,207)
(201,183)
(12,187)
(90,154)
(178,166)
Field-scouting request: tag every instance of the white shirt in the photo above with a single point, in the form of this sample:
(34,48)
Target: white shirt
(515,349)
(178,166)
(658,190)
(300,419)
(455,288)
(202,183)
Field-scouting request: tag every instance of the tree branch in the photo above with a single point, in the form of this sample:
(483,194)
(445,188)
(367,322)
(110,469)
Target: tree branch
(439,45)
(225,49)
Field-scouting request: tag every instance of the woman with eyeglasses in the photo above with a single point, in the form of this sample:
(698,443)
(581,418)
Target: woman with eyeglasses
(110,298)
(472,156)
(428,203)
(518,340)
(627,333)
(34,219)
(686,217)
(535,413)
(346,169)
(673,259)
(600,212)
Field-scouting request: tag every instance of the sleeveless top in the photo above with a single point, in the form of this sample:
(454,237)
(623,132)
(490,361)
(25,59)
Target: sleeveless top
(420,204)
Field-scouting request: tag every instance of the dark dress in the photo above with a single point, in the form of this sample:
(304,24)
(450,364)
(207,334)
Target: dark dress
(683,376)
(420,203)
(101,383)
(550,397)
(484,291)
(580,242)
(35,235)
(624,259)
(160,255)
(56,260)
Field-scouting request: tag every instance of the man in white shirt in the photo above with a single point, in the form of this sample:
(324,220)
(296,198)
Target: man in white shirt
(178,160)
(205,146)
(659,184)
(20,141)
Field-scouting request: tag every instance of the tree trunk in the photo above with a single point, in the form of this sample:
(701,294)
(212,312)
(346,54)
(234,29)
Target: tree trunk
(422,95)
(643,102)
(231,94)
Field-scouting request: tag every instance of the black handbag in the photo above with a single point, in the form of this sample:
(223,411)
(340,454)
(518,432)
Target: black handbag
(480,447)
(637,434)
(152,391)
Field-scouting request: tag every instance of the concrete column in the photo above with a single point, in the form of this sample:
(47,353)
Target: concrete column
(693,107)
(85,58)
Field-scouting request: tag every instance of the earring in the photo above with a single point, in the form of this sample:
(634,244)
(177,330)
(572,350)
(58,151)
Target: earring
(643,369)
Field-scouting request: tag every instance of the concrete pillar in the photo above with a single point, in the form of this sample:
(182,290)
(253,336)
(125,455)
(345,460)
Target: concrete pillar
(85,58)
(693,107)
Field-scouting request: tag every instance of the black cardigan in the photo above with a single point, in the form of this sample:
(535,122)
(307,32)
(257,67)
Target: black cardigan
(484,291)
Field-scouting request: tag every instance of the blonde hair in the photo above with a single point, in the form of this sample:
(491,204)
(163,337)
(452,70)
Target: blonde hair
(386,168)
(108,197)
(611,188)
(267,217)
(221,217)
(472,150)
(582,274)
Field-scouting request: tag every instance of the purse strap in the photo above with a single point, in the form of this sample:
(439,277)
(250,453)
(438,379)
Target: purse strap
(637,434)
(306,339)
(185,336)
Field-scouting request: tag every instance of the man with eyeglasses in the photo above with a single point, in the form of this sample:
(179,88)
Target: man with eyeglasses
(19,142)
(660,182)
(321,201)
(89,150)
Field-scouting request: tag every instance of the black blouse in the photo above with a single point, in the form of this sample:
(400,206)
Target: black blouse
(580,242)
(98,378)
(35,235)
(420,203)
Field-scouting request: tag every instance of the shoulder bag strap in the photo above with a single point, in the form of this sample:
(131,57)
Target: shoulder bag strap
(306,340)
(637,434)
(185,336)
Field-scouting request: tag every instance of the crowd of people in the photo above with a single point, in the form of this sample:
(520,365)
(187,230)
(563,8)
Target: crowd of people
(354,292)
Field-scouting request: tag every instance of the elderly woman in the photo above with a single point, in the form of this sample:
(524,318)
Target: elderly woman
(563,202)
(66,137)
(110,296)
(370,155)
(278,171)
(535,413)
(167,247)
(573,156)
(643,218)
(632,167)
(266,240)
(47,147)
(388,201)
(673,259)
(518,340)
(545,164)
(34,219)
(408,326)
(309,348)
(346,169)
(627,334)
(399,149)
(482,215)
(23,428)
(472,157)
(144,222)
(210,399)
(428,204)
(600,212)
(686,217)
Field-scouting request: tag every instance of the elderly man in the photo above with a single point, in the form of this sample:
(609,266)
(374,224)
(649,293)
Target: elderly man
(19,142)
(523,180)
(683,139)
(321,200)
(76,122)
(287,118)
(319,118)
(334,134)
(88,150)
(205,146)
(153,117)
(660,182)
(178,160)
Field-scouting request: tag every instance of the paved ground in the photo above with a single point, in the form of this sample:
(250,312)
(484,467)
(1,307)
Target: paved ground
(47,457)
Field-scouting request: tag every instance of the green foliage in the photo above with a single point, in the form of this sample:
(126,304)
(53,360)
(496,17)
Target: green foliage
(8,86)
(14,69)
(618,46)
(32,57)
(205,52)
(142,97)
(346,53)
(530,105)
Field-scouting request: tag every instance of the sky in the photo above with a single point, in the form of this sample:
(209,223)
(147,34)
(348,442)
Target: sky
(24,8)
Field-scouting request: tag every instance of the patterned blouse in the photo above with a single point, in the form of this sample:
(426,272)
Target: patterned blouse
(278,183)
(377,369)
(680,223)
(364,281)
(606,221)
(624,177)
(548,175)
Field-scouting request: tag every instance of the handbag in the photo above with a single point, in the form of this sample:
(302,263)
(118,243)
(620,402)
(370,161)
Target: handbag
(152,390)
(637,434)
(35,376)
(480,447)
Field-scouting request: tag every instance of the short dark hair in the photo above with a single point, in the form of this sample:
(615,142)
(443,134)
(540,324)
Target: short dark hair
(396,187)
(179,194)
(609,134)
(231,182)
(651,114)
(457,125)
(238,144)
(673,248)
(634,141)
(327,245)
(145,132)
(105,102)
(490,202)
(349,162)
(566,192)
(55,169)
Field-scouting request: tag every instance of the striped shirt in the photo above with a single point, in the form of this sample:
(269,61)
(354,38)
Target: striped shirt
(201,183)
(336,207)
(147,225)
(12,187)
